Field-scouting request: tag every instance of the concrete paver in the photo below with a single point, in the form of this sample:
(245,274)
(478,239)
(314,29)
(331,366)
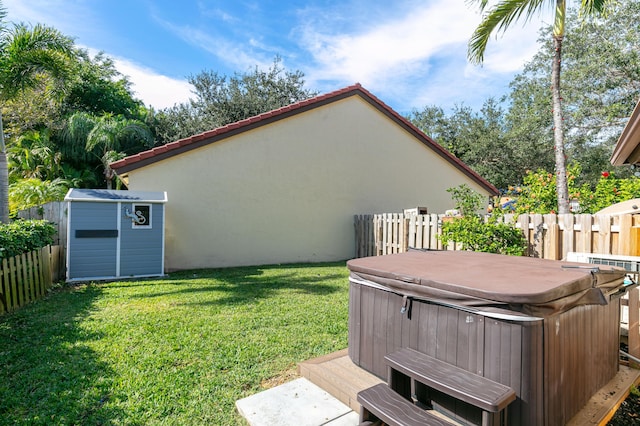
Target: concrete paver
(296,403)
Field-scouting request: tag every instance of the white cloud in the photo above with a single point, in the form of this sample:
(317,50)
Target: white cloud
(236,55)
(156,90)
(410,52)
(392,47)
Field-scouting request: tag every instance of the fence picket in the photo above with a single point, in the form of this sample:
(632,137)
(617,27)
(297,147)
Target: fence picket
(523,224)
(584,239)
(568,234)
(549,236)
(4,285)
(537,235)
(624,235)
(27,277)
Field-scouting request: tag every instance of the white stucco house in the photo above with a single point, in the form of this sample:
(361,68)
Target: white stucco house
(284,186)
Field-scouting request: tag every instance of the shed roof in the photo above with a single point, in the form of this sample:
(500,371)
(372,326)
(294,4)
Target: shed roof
(627,150)
(142,159)
(114,196)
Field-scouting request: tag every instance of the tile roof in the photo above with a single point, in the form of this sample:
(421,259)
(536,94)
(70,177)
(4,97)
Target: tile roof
(160,153)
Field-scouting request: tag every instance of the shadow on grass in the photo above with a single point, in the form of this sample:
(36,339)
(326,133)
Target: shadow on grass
(48,372)
(242,284)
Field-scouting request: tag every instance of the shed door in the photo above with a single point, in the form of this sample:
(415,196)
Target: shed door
(141,239)
(93,240)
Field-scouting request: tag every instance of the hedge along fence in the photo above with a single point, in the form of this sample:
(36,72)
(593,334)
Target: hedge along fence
(54,212)
(27,277)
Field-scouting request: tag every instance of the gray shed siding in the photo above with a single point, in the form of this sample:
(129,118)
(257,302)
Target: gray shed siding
(104,243)
(92,257)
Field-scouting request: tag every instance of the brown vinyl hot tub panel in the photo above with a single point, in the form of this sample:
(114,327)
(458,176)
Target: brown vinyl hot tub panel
(554,364)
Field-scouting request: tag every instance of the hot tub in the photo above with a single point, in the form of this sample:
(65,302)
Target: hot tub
(548,329)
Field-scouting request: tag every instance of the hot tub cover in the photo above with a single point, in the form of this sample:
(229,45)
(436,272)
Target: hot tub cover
(522,284)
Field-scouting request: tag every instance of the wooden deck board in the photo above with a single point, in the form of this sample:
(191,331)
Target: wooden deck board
(339,376)
(603,405)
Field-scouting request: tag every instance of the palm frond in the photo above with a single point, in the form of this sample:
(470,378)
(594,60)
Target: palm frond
(482,4)
(3,15)
(499,18)
(593,7)
(29,52)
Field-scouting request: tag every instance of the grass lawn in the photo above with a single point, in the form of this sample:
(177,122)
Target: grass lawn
(177,350)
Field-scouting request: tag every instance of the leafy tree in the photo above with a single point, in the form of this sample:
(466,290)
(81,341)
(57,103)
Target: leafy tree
(500,17)
(35,121)
(221,100)
(178,122)
(480,139)
(32,192)
(601,84)
(25,55)
(96,87)
(107,137)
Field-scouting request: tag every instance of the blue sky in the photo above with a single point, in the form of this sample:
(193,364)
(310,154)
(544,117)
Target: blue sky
(408,53)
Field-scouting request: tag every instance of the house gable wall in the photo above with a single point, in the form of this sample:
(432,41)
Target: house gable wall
(287,191)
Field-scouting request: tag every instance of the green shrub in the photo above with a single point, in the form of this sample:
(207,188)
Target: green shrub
(491,236)
(468,202)
(609,190)
(23,236)
(477,234)
(538,193)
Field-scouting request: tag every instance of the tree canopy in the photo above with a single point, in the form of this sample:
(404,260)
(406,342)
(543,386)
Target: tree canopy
(498,18)
(601,85)
(29,57)
(220,100)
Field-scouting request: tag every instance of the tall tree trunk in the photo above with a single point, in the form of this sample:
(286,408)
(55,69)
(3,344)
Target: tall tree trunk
(4,178)
(562,189)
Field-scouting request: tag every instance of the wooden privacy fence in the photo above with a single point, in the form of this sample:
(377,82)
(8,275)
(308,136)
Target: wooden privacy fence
(54,212)
(27,277)
(548,236)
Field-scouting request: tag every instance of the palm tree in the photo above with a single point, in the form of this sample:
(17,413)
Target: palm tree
(107,137)
(26,54)
(500,17)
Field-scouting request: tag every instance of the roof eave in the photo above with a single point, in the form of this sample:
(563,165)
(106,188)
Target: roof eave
(627,149)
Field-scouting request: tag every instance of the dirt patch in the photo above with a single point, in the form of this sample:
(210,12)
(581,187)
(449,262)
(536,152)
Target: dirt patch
(283,377)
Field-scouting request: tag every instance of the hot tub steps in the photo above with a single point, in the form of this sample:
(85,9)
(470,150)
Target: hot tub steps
(380,402)
(427,381)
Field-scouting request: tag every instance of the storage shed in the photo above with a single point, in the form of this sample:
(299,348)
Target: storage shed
(549,330)
(114,234)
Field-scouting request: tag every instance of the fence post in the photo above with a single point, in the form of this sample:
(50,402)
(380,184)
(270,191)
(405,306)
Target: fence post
(634,323)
